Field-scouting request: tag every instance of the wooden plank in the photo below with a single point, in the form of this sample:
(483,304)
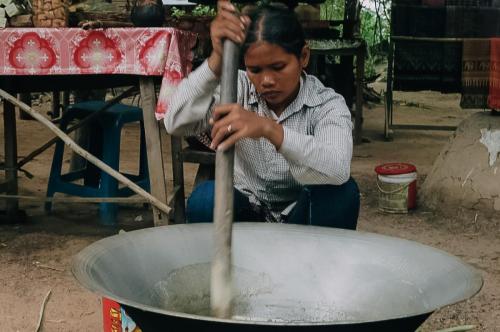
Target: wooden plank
(178,177)
(154,148)
(10,143)
(422,127)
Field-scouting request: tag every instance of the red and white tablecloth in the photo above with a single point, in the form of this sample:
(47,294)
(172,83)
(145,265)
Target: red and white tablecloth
(72,51)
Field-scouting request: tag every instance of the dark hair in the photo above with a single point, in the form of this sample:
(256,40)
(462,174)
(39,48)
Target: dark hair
(275,24)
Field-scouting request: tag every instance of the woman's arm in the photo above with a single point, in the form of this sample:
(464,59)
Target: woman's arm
(325,157)
(190,105)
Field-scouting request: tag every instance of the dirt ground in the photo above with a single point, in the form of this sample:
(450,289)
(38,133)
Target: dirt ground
(35,255)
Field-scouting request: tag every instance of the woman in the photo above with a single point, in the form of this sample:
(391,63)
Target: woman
(292,135)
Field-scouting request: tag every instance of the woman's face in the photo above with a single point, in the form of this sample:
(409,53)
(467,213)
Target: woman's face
(275,73)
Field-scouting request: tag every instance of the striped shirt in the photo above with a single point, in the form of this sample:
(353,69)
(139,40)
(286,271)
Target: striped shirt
(316,148)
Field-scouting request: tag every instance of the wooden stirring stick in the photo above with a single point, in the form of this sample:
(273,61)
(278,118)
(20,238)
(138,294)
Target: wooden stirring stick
(221,279)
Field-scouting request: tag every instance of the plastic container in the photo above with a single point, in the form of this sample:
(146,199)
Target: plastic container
(397,186)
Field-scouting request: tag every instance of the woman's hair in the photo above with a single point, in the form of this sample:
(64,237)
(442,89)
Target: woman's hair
(277,25)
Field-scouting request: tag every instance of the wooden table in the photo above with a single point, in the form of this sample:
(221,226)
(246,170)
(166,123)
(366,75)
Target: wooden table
(28,80)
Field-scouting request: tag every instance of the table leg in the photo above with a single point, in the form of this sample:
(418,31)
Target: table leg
(388,94)
(9,120)
(56,105)
(154,148)
(358,117)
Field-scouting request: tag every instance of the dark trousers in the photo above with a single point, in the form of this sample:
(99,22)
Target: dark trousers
(319,205)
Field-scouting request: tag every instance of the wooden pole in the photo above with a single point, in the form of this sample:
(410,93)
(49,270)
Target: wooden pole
(10,146)
(221,280)
(85,154)
(154,148)
(358,116)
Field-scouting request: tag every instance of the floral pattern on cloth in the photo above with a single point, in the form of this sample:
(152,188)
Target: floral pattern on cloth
(32,53)
(96,53)
(163,52)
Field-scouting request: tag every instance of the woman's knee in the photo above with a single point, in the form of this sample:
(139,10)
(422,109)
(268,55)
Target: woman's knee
(200,205)
(335,206)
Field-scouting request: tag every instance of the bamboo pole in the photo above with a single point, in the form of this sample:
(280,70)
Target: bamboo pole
(221,279)
(85,154)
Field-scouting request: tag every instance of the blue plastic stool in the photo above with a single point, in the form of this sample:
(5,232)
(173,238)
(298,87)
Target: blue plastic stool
(104,144)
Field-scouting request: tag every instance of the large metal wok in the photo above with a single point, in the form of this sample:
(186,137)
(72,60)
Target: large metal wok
(286,277)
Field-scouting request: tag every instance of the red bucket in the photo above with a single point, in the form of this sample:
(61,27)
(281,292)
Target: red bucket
(397,184)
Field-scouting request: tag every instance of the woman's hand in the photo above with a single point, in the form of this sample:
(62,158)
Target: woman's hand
(231,122)
(227,24)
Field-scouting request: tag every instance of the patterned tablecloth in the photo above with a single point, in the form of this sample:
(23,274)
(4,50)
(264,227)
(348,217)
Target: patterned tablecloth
(72,51)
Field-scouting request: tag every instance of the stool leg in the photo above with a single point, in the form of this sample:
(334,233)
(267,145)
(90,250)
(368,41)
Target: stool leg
(93,173)
(55,173)
(56,168)
(109,185)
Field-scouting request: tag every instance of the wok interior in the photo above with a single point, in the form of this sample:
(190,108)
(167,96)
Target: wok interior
(282,273)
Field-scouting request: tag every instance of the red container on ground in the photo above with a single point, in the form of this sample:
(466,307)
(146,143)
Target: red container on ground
(395,169)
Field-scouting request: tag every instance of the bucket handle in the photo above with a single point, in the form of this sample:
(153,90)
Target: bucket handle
(392,191)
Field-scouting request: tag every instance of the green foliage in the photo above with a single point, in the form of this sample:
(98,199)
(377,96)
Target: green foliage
(177,12)
(202,10)
(199,10)
(374,28)
(332,10)
(375,22)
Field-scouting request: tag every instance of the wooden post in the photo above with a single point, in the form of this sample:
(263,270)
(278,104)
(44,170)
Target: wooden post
(10,144)
(154,149)
(388,93)
(221,280)
(360,74)
(25,98)
(56,105)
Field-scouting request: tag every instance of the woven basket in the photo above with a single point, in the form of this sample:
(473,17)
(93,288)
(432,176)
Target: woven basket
(107,16)
(50,13)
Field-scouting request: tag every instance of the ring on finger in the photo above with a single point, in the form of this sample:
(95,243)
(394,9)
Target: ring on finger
(229,128)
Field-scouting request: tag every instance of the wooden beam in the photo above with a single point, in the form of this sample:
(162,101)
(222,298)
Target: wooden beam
(154,148)
(422,127)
